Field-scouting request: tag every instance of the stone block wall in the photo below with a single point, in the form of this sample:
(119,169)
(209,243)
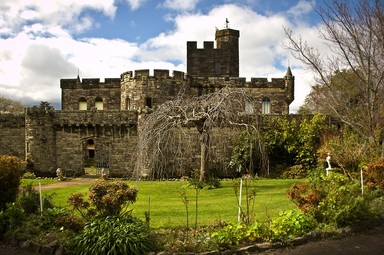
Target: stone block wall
(59,139)
(90,90)
(140,91)
(215,62)
(40,139)
(12,138)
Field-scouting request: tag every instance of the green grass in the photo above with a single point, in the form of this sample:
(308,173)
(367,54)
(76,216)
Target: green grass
(163,200)
(35,182)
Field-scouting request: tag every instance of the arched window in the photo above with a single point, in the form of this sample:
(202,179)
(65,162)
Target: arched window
(266,106)
(128,103)
(82,104)
(99,103)
(91,148)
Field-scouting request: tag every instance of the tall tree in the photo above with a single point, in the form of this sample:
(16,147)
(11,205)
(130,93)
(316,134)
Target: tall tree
(350,82)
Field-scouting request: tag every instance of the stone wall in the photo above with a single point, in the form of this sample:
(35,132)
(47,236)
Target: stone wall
(61,139)
(12,138)
(90,90)
(211,62)
(40,139)
(142,90)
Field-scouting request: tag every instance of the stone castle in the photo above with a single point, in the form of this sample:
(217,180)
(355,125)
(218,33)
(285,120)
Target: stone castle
(98,123)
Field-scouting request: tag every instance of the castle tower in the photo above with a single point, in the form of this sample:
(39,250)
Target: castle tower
(289,80)
(220,62)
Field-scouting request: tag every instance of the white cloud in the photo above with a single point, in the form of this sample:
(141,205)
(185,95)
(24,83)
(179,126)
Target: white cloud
(180,5)
(302,7)
(18,13)
(32,63)
(135,4)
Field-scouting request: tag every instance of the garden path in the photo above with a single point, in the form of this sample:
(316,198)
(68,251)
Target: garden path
(67,183)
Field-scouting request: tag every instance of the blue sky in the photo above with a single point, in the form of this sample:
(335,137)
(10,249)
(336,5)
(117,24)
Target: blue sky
(42,41)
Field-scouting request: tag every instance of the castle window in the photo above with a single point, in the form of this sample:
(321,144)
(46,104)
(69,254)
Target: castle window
(249,107)
(266,106)
(148,102)
(82,104)
(99,103)
(128,103)
(91,148)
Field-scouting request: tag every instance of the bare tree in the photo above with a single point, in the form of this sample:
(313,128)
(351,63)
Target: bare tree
(168,127)
(350,82)
(8,105)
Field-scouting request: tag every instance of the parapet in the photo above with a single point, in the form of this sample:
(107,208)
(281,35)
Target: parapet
(208,45)
(239,82)
(158,74)
(89,83)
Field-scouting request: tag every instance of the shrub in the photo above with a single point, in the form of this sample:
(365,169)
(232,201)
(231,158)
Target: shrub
(28,175)
(113,235)
(10,171)
(63,219)
(11,218)
(105,199)
(110,198)
(295,172)
(304,196)
(258,232)
(29,200)
(334,200)
(344,205)
(230,235)
(290,224)
(374,174)
(233,234)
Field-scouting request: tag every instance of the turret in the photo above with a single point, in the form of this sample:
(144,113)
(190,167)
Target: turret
(289,80)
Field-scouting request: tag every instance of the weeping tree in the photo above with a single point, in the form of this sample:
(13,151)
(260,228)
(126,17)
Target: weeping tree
(166,128)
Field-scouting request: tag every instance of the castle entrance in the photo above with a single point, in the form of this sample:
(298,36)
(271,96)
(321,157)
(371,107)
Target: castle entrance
(95,157)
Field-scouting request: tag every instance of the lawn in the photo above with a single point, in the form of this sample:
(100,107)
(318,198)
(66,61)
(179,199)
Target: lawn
(163,200)
(35,182)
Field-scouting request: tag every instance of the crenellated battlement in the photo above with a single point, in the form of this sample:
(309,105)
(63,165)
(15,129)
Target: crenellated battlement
(238,82)
(158,74)
(207,45)
(89,83)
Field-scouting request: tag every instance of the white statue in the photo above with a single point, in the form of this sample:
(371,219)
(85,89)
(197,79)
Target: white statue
(328,159)
(59,174)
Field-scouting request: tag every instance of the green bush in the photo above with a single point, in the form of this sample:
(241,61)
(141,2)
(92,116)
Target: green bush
(105,199)
(290,224)
(113,235)
(29,200)
(230,235)
(28,175)
(344,205)
(334,200)
(10,171)
(295,172)
(11,219)
(234,234)
(60,218)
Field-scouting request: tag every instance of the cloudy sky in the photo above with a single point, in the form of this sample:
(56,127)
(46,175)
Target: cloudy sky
(42,41)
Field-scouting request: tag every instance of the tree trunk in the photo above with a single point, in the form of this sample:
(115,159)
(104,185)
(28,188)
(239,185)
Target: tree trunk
(204,143)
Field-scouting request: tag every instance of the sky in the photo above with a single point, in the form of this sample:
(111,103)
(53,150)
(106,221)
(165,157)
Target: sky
(43,41)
